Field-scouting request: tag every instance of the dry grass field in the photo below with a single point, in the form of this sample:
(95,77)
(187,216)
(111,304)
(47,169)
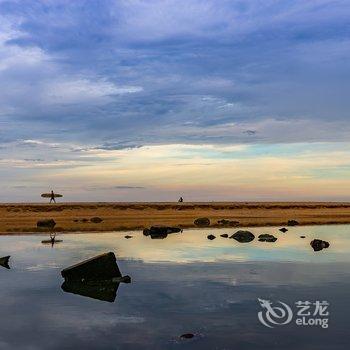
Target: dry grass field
(75,217)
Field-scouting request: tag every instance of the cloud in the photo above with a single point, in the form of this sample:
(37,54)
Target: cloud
(91,79)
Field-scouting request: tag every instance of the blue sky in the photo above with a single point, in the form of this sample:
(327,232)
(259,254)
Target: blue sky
(93,84)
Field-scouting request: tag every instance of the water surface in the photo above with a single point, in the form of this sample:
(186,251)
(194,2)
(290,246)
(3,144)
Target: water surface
(183,283)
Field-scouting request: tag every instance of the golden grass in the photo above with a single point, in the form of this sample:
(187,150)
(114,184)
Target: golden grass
(22,218)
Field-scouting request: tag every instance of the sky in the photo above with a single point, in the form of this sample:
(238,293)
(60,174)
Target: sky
(149,100)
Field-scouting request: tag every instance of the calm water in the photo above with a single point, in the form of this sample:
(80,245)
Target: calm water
(181,284)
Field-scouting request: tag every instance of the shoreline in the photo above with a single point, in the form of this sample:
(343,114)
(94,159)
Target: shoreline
(21,218)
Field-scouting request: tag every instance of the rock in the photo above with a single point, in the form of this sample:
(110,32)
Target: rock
(128,237)
(283,229)
(302,236)
(211,237)
(267,238)
(318,244)
(187,336)
(96,220)
(292,223)
(76,220)
(47,223)
(160,232)
(230,223)
(99,268)
(4,262)
(243,236)
(202,222)
(224,235)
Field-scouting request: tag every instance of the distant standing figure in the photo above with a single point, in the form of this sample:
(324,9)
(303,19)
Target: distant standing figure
(52,198)
(181,200)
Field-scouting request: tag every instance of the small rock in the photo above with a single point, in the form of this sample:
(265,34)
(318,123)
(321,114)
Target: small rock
(230,223)
(283,229)
(318,244)
(202,222)
(96,220)
(302,236)
(224,235)
(187,336)
(243,236)
(267,238)
(128,237)
(292,223)
(84,220)
(160,230)
(211,237)
(48,223)
(5,262)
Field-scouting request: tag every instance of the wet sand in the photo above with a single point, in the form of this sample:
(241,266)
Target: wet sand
(75,217)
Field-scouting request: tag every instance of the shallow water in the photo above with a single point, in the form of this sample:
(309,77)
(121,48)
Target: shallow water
(182,284)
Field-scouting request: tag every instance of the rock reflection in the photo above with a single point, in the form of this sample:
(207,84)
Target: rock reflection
(104,291)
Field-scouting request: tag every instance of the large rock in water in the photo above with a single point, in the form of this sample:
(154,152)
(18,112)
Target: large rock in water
(267,238)
(47,223)
(202,222)
(243,236)
(318,244)
(99,268)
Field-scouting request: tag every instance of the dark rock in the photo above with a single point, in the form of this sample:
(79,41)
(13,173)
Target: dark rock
(229,223)
(160,232)
(4,262)
(84,220)
(202,222)
(224,235)
(318,244)
(302,236)
(47,223)
(292,223)
(267,238)
(187,336)
(96,220)
(243,236)
(211,237)
(76,220)
(99,268)
(283,229)
(124,279)
(128,237)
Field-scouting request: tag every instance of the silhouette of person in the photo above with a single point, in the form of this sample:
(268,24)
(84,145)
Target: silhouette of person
(52,198)
(181,200)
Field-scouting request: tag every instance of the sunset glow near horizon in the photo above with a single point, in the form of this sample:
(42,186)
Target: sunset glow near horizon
(150,100)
